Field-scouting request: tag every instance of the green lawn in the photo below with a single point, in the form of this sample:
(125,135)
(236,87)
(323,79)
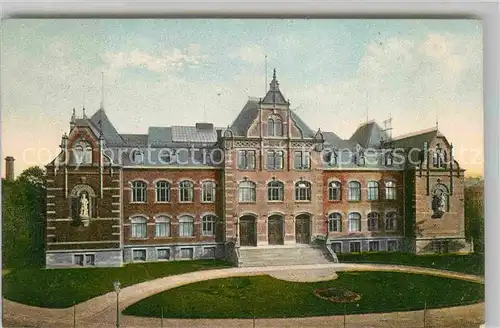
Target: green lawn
(272,298)
(467,263)
(59,288)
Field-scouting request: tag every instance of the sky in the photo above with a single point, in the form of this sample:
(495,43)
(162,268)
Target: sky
(337,73)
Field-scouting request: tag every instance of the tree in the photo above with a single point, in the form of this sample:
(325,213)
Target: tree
(474,221)
(23,213)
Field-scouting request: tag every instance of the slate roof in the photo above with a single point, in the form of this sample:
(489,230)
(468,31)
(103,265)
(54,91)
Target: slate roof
(415,139)
(369,135)
(247,115)
(333,140)
(193,134)
(274,95)
(101,122)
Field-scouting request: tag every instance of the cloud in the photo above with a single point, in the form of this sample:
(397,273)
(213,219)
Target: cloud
(173,60)
(253,54)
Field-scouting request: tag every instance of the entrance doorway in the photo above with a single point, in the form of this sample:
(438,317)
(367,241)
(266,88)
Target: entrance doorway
(248,231)
(303,229)
(275,230)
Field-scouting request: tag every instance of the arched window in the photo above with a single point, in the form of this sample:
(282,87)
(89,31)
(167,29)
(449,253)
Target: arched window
(186,191)
(373,220)
(82,152)
(139,191)
(162,226)
(186,226)
(354,222)
(372,191)
(208,191)
(334,190)
(391,222)
(139,227)
(390,190)
(335,222)
(137,157)
(246,191)
(208,225)
(354,191)
(278,127)
(303,190)
(270,127)
(163,191)
(275,191)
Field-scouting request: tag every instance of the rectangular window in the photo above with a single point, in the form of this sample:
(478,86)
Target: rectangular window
(355,247)
(392,245)
(274,160)
(79,260)
(163,254)
(186,253)
(302,160)
(337,248)
(90,259)
(246,159)
(440,246)
(373,246)
(162,229)
(209,252)
(139,254)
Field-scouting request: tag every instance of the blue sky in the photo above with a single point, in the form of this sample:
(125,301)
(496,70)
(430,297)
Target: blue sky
(169,72)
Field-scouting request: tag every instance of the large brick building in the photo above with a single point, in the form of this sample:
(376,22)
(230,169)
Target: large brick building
(268,179)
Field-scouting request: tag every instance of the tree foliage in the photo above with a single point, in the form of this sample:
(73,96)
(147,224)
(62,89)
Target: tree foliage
(474,221)
(23,219)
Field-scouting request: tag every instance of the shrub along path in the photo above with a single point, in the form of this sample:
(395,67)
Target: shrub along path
(100,311)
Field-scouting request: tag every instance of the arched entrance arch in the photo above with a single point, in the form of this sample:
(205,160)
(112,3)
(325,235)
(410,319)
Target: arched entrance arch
(275,231)
(248,230)
(303,229)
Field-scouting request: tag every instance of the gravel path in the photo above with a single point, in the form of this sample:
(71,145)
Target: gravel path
(101,311)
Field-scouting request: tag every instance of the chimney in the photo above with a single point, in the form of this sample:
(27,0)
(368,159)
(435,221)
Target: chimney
(204,126)
(9,168)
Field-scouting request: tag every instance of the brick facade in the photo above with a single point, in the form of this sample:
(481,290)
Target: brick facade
(93,219)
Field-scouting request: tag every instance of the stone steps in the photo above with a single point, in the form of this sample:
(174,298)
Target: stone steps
(279,255)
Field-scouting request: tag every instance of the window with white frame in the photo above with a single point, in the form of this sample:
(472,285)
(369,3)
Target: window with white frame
(139,227)
(391,222)
(373,219)
(246,192)
(373,246)
(355,247)
(208,191)
(246,159)
(79,259)
(334,190)
(303,191)
(208,225)
(354,191)
(82,152)
(186,253)
(186,191)
(209,252)
(274,127)
(186,226)
(302,160)
(390,190)
(274,160)
(354,222)
(392,245)
(372,190)
(162,226)
(163,253)
(139,255)
(163,191)
(275,191)
(139,191)
(337,247)
(334,222)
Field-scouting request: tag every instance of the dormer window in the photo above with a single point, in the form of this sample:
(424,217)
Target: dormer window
(137,157)
(388,159)
(331,157)
(361,159)
(83,153)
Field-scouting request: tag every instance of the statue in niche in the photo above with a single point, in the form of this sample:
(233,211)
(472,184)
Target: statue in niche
(439,202)
(84,206)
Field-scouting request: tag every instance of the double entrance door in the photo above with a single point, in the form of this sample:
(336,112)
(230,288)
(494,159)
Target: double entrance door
(275,231)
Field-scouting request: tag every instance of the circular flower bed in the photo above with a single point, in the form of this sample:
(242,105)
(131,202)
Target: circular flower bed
(337,295)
